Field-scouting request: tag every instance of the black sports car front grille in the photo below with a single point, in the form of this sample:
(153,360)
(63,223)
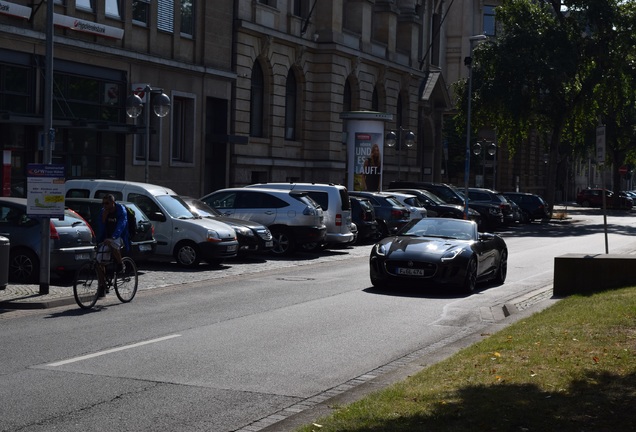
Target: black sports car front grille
(429,269)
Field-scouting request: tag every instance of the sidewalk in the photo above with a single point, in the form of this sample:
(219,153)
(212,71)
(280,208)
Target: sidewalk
(29,297)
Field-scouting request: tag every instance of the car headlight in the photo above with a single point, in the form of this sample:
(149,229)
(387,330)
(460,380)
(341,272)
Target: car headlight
(451,254)
(213,236)
(380,249)
(244,231)
(264,234)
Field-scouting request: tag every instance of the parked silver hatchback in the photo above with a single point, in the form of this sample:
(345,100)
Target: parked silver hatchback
(293,217)
(72,241)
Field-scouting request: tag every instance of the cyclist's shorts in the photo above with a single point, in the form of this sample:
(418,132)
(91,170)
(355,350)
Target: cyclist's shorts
(103,251)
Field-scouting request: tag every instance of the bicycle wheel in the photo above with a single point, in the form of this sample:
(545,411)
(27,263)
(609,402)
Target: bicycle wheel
(126,281)
(85,286)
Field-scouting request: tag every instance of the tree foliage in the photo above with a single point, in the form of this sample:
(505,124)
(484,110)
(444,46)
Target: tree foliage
(555,69)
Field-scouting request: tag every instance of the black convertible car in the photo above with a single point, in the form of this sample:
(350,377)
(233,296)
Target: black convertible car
(434,252)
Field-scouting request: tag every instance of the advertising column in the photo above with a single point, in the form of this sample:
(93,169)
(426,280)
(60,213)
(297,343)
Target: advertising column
(364,132)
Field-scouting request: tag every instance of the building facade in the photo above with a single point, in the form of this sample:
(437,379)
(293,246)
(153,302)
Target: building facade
(257,89)
(103,51)
(300,64)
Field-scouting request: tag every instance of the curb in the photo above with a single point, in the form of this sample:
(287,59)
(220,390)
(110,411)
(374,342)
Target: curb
(44,304)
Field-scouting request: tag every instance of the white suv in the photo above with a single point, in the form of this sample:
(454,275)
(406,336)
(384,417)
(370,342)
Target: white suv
(293,217)
(335,204)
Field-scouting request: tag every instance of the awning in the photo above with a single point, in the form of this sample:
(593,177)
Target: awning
(433,89)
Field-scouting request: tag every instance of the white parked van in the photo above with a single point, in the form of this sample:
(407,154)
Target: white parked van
(336,207)
(179,234)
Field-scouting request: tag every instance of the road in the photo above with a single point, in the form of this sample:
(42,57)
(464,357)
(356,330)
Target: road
(242,348)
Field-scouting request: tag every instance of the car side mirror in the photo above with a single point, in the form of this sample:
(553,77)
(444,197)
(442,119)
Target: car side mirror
(486,236)
(157,217)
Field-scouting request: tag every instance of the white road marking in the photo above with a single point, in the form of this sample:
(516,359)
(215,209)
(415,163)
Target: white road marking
(101,353)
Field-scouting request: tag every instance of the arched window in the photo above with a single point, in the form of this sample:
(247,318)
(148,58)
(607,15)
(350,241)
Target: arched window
(291,98)
(257,100)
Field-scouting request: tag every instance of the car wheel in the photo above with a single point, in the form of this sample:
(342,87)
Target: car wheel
(378,283)
(470,279)
(502,268)
(187,254)
(24,266)
(284,243)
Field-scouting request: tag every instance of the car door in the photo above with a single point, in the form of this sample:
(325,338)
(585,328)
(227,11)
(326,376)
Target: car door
(223,201)
(257,206)
(164,229)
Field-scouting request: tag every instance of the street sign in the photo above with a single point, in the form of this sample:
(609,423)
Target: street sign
(623,170)
(600,145)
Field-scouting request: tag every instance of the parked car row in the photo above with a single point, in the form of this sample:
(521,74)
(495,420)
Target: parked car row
(593,197)
(279,218)
(72,241)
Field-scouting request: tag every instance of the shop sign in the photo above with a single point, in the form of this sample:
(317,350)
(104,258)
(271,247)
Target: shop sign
(84,26)
(16,10)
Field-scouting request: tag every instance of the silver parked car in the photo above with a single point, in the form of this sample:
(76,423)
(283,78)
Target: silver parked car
(72,241)
(292,216)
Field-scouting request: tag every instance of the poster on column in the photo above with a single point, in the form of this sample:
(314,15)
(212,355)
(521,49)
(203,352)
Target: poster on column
(45,190)
(368,162)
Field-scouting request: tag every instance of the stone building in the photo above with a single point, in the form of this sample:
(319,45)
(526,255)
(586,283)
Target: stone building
(257,88)
(300,64)
(103,50)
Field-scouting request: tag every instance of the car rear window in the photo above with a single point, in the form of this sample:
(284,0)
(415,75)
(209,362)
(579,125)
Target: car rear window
(321,198)
(70,219)
(344,199)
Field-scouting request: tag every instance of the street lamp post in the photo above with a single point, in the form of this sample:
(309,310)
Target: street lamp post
(468,62)
(491,149)
(161,107)
(392,138)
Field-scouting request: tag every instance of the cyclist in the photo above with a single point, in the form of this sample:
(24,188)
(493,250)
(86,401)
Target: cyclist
(112,236)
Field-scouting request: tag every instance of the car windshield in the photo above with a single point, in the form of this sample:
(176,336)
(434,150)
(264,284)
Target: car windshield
(202,209)
(394,202)
(434,198)
(446,228)
(175,207)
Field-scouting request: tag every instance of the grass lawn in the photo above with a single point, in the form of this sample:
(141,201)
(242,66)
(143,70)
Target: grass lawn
(571,367)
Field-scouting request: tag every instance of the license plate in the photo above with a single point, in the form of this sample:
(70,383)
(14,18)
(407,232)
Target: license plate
(410,271)
(269,244)
(232,248)
(82,257)
(145,248)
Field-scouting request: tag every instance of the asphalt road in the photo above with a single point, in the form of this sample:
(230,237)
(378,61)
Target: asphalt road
(260,344)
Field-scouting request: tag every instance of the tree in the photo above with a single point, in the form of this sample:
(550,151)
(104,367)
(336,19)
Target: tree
(547,72)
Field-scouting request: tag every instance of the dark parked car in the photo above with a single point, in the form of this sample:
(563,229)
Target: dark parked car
(491,215)
(489,196)
(437,207)
(252,236)
(72,241)
(389,212)
(143,243)
(363,215)
(593,197)
(532,206)
(438,252)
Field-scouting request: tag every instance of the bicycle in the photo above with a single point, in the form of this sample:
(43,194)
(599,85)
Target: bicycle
(86,285)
